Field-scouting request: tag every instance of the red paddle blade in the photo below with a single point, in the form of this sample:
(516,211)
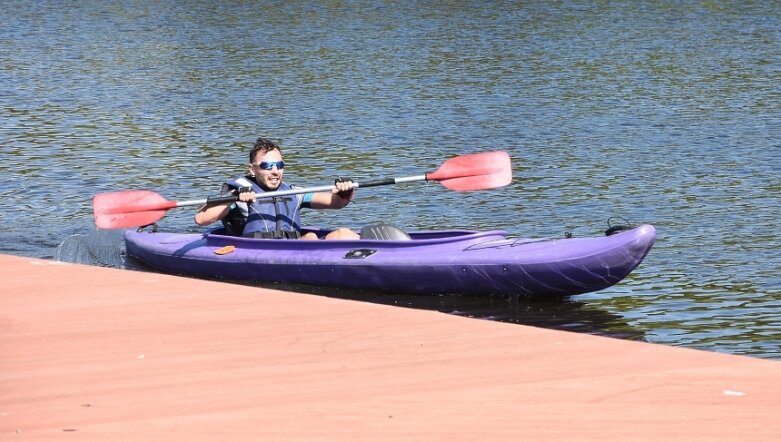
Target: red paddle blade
(129,208)
(477,171)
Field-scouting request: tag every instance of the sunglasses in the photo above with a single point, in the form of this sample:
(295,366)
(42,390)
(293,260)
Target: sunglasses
(268,165)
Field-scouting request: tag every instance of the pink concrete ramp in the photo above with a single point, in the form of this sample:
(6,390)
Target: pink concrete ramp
(91,353)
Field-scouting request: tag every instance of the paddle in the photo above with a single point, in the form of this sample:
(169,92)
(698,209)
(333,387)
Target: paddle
(133,208)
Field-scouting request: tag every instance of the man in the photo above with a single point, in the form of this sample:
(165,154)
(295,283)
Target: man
(277,217)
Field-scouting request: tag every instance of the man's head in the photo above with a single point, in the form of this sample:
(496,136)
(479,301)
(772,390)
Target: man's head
(266,164)
(262,146)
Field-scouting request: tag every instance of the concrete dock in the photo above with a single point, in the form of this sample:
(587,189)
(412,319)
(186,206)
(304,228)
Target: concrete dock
(89,353)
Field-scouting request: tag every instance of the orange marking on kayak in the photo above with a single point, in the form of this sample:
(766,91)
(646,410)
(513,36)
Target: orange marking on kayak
(225,250)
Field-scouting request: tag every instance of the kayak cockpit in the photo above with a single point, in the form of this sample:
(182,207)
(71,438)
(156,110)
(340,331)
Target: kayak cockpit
(412,239)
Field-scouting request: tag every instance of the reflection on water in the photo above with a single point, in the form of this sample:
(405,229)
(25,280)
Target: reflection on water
(564,314)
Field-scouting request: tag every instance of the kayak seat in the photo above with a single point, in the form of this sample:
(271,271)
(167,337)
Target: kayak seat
(384,231)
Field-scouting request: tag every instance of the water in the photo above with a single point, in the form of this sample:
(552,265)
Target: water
(659,112)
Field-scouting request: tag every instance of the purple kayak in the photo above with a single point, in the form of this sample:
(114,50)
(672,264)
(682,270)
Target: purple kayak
(431,262)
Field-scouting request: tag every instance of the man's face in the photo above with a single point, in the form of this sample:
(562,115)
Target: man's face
(268,179)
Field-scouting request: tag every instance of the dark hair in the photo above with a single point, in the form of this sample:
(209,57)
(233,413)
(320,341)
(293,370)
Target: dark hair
(263,145)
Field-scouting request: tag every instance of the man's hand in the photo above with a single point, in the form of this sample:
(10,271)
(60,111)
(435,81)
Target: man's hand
(246,194)
(344,187)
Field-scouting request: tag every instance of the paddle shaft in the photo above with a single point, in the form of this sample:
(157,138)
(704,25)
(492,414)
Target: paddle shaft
(276,193)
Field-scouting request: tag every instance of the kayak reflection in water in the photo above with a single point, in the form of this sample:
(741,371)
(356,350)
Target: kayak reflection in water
(276,217)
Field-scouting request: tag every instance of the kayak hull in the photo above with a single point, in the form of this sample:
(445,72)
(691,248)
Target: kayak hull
(436,262)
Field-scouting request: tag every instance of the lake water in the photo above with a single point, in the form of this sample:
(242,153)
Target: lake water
(660,112)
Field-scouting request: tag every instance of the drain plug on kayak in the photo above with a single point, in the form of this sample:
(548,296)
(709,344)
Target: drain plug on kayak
(359,254)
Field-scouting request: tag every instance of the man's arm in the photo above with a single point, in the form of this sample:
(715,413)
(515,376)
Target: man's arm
(339,197)
(210,213)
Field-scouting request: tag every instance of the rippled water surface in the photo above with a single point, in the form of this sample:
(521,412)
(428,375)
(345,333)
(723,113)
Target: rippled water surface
(660,112)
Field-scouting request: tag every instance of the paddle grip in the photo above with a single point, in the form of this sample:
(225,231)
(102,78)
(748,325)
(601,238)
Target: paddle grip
(221,199)
(376,183)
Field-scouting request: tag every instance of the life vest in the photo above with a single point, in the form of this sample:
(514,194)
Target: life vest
(276,217)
